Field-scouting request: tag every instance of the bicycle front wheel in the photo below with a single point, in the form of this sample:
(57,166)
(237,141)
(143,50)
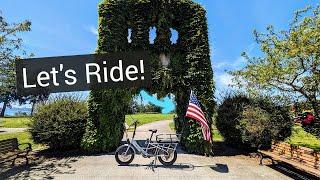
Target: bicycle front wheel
(124,155)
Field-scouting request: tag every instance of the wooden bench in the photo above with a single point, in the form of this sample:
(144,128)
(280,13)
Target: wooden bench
(12,145)
(304,159)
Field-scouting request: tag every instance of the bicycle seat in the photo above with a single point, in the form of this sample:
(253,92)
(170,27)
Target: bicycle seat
(153,130)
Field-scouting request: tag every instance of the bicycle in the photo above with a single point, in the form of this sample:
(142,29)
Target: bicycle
(164,148)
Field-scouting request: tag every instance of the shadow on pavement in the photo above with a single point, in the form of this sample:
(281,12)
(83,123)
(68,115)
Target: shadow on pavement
(43,165)
(221,149)
(291,171)
(181,166)
(221,168)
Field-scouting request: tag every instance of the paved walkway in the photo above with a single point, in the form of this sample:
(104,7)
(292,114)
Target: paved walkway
(187,166)
(11,130)
(142,132)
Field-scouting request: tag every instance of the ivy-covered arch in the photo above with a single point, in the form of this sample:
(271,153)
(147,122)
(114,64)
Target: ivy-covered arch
(176,68)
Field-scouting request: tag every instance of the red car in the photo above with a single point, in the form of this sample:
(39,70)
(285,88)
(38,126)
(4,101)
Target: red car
(306,118)
(309,119)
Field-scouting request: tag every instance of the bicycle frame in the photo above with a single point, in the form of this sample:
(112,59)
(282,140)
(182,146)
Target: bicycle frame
(156,148)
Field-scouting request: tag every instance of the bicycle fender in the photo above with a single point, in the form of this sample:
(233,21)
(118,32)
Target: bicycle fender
(127,145)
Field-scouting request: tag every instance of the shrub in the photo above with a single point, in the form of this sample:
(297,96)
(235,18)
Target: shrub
(252,126)
(313,128)
(60,124)
(247,123)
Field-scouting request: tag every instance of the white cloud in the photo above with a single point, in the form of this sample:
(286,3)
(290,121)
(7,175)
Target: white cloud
(251,47)
(18,106)
(93,30)
(240,61)
(219,65)
(234,63)
(225,79)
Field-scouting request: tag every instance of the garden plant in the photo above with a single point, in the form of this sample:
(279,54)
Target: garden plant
(59,123)
(252,123)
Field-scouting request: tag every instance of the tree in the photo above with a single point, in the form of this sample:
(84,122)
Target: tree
(291,61)
(34,99)
(10,47)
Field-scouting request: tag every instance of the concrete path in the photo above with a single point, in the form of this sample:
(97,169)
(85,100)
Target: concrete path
(187,166)
(11,130)
(142,132)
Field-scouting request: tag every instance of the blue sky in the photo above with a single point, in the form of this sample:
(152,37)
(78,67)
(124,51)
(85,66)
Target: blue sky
(61,27)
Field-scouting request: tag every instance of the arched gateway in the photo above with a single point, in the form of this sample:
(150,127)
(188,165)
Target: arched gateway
(176,68)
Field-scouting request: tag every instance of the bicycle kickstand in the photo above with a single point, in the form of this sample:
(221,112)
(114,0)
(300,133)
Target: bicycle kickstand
(152,164)
(155,161)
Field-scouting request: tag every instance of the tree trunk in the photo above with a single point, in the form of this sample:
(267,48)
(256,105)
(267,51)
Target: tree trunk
(32,108)
(5,103)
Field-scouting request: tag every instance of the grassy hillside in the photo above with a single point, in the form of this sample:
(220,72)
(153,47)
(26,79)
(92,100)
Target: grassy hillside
(302,138)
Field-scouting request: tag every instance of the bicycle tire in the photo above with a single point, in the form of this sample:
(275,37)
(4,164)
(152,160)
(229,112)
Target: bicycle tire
(166,163)
(124,162)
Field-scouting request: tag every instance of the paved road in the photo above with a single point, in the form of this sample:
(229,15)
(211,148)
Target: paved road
(187,166)
(11,130)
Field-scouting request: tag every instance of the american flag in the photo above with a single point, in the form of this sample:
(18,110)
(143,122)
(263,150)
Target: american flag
(194,112)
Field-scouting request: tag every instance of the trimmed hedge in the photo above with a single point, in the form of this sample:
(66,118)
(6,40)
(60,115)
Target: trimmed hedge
(60,124)
(249,123)
(189,68)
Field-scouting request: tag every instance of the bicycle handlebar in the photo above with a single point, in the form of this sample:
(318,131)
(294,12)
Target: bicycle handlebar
(135,122)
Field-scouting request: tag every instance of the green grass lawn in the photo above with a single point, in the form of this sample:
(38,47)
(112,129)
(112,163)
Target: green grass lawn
(23,137)
(302,138)
(216,136)
(22,122)
(148,118)
(14,122)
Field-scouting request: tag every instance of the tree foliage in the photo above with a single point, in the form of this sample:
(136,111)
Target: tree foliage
(291,61)
(251,123)
(189,66)
(59,123)
(10,50)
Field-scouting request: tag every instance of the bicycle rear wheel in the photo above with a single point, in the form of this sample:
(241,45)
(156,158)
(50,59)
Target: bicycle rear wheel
(169,158)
